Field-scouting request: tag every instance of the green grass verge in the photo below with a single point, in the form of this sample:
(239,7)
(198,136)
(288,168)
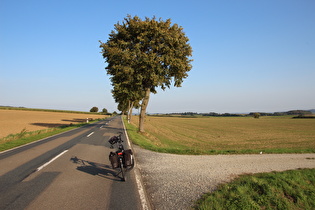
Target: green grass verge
(277,190)
(24,137)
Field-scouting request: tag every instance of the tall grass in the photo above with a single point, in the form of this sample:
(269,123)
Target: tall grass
(278,190)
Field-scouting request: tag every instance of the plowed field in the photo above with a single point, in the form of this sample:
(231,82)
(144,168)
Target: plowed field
(14,121)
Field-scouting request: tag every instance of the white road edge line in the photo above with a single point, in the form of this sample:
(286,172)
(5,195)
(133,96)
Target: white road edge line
(142,195)
(46,164)
(90,134)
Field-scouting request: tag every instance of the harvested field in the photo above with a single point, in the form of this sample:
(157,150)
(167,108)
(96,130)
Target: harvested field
(209,135)
(14,121)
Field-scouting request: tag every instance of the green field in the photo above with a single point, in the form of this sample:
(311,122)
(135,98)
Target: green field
(225,135)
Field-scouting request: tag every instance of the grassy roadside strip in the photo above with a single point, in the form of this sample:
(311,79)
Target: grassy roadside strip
(277,190)
(24,137)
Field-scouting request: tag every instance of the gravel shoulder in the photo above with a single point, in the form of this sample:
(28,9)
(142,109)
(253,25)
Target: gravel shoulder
(176,181)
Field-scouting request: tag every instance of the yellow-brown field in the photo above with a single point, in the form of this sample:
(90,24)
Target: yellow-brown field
(14,121)
(230,133)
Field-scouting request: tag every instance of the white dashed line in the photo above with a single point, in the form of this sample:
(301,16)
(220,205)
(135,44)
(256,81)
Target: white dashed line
(46,164)
(90,134)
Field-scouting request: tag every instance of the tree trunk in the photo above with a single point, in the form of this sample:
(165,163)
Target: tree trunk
(130,111)
(144,105)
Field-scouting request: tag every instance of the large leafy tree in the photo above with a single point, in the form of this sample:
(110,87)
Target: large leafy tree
(125,98)
(143,55)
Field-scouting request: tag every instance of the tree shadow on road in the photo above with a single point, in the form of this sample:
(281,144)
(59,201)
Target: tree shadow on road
(95,169)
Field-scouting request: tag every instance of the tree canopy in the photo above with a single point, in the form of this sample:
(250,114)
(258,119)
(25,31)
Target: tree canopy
(143,55)
(94,109)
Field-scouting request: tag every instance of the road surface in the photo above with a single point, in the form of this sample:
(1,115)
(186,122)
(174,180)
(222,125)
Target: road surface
(67,171)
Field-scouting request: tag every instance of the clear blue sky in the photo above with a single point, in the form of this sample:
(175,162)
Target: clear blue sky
(249,55)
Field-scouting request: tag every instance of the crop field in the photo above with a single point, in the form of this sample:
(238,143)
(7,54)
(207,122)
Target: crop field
(220,135)
(16,121)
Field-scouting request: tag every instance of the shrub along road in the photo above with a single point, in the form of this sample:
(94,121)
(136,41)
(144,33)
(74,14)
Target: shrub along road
(67,171)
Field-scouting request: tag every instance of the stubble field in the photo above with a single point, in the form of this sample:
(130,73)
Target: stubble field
(219,135)
(15,121)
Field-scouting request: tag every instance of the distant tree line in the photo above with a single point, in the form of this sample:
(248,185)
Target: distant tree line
(213,114)
(254,114)
(292,112)
(104,110)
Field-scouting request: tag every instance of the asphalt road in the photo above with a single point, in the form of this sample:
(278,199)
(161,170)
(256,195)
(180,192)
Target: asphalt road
(67,171)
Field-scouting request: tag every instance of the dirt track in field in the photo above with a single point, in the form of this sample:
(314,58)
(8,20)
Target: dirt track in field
(14,121)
